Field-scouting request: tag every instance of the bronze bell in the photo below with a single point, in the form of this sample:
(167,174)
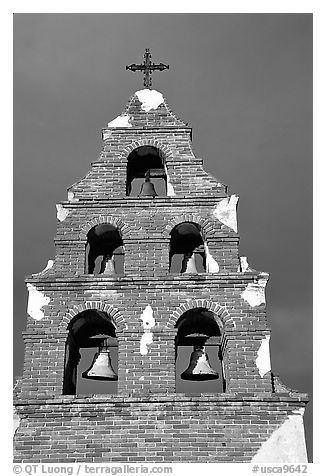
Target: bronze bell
(101,368)
(147,188)
(189,264)
(199,367)
(107,265)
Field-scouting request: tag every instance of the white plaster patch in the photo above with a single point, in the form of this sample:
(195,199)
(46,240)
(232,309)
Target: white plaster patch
(48,266)
(16,421)
(226,212)
(36,300)
(286,444)
(299,411)
(211,265)
(263,360)
(148,323)
(62,212)
(149,98)
(120,121)
(169,187)
(71,197)
(146,339)
(244,266)
(254,293)
(147,318)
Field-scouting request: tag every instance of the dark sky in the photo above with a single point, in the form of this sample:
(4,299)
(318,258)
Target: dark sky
(242,81)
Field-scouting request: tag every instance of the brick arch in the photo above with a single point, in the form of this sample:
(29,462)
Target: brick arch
(205,225)
(221,314)
(123,228)
(117,318)
(166,152)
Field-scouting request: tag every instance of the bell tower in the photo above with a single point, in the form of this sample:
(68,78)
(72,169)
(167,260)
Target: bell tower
(147,338)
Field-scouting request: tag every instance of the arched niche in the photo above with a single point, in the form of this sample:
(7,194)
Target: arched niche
(86,332)
(198,327)
(104,250)
(145,161)
(187,253)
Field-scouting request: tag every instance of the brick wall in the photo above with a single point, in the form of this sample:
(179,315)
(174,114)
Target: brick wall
(145,233)
(210,428)
(244,326)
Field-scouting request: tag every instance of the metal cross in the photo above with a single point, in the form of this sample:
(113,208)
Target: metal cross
(147,67)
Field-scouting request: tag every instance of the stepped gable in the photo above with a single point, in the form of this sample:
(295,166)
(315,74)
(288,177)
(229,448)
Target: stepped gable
(146,108)
(146,121)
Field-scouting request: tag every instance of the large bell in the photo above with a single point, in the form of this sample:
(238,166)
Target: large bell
(189,264)
(147,188)
(101,368)
(199,367)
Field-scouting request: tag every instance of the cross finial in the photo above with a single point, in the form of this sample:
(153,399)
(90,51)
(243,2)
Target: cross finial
(147,67)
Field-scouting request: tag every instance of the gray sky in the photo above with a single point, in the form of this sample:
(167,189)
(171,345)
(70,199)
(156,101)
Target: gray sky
(242,81)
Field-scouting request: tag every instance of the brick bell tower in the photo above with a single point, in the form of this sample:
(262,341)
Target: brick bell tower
(147,337)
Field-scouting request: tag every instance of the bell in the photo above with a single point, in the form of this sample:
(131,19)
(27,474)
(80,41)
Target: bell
(199,367)
(147,188)
(107,265)
(101,368)
(189,264)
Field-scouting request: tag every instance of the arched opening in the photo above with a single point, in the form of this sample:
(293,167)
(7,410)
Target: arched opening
(187,253)
(91,358)
(145,163)
(198,355)
(104,250)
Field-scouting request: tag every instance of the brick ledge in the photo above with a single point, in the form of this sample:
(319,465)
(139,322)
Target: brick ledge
(246,276)
(178,398)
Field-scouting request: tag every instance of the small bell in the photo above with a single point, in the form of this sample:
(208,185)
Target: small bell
(199,367)
(189,264)
(101,368)
(147,188)
(107,265)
